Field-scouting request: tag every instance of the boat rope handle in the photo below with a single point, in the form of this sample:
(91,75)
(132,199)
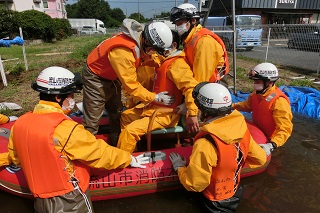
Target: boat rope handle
(6,187)
(124,181)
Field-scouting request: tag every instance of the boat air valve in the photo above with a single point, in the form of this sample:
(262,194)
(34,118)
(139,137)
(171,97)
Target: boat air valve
(155,156)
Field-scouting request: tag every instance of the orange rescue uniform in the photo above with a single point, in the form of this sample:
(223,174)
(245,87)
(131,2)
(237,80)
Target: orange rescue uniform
(271,112)
(98,60)
(204,54)
(190,47)
(205,159)
(225,176)
(43,166)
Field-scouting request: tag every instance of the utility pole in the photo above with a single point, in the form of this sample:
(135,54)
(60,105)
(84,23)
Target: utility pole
(63,15)
(139,10)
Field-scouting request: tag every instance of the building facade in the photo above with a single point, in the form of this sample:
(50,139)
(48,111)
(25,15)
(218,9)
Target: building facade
(54,8)
(272,11)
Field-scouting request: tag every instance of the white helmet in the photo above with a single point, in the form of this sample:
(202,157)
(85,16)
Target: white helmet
(265,72)
(57,80)
(212,98)
(184,11)
(158,36)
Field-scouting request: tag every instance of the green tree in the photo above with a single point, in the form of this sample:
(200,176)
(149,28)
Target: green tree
(163,15)
(72,10)
(62,28)
(98,9)
(93,9)
(8,23)
(117,13)
(138,17)
(36,24)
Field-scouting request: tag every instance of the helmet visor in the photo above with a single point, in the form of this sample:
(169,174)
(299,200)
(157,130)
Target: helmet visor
(254,75)
(176,14)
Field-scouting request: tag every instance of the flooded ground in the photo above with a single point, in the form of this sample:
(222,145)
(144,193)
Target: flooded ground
(291,183)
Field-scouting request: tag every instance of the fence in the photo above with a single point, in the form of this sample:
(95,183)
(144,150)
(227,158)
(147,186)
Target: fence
(295,46)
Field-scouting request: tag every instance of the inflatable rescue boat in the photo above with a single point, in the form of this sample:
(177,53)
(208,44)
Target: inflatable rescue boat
(120,183)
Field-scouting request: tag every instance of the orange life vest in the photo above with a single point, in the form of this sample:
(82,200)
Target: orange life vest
(98,60)
(225,176)
(220,72)
(42,164)
(261,111)
(163,83)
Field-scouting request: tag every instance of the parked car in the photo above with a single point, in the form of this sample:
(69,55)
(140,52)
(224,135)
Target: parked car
(88,30)
(305,39)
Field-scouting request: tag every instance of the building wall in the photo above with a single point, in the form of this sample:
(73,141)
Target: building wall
(291,5)
(53,11)
(272,11)
(19,5)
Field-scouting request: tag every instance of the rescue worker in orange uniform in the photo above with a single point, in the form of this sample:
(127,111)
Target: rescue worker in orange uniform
(220,150)
(145,76)
(56,152)
(175,76)
(205,51)
(270,107)
(113,64)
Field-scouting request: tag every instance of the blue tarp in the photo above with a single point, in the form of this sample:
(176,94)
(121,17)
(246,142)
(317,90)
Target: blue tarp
(303,100)
(7,42)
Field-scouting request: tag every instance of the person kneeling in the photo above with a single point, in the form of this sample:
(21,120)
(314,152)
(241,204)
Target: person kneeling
(220,150)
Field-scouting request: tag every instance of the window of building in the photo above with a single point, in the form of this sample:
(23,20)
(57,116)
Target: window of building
(58,6)
(45,4)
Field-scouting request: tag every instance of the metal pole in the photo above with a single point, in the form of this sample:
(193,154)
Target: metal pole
(234,45)
(3,74)
(318,65)
(24,50)
(200,6)
(268,44)
(139,10)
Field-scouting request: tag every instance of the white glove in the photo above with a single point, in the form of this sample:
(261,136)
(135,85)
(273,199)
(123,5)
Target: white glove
(138,161)
(164,98)
(182,109)
(268,148)
(177,161)
(13,118)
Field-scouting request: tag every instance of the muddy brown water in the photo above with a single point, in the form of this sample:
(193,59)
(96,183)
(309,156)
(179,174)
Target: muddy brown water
(291,183)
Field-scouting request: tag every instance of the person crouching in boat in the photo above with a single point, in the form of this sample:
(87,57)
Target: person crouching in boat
(270,107)
(56,152)
(220,150)
(112,66)
(174,77)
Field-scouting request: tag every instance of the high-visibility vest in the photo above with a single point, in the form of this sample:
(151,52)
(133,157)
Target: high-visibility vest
(225,176)
(163,83)
(98,61)
(43,166)
(220,72)
(262,114)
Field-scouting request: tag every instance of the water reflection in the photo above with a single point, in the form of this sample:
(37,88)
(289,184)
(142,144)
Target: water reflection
(290,184)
